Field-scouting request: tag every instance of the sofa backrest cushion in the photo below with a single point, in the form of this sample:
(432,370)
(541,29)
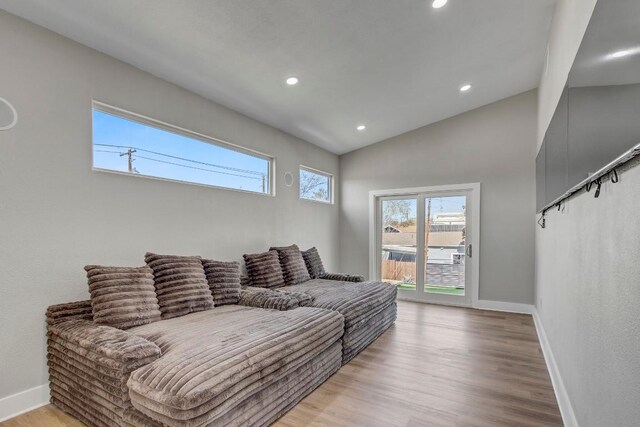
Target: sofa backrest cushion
(122,297)
(293,266)
(314,263)
(264,269)
(224,281)
(181,285)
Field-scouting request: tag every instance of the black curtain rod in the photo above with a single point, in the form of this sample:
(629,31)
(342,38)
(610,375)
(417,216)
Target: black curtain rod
(595,179)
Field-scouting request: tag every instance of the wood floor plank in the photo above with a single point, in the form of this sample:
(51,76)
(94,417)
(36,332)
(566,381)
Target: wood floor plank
(437,366)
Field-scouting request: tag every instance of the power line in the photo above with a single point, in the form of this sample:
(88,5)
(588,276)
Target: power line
(184,159)
(197,168)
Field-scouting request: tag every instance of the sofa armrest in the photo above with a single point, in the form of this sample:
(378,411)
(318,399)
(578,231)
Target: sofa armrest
(342,277)
(104,345)
(267,298)
(78,310)
(89,366)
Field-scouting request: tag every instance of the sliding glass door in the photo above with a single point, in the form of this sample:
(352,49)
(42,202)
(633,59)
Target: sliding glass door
(423,244)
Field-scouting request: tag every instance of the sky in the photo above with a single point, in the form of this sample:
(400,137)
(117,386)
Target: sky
(189,154)
(447,204)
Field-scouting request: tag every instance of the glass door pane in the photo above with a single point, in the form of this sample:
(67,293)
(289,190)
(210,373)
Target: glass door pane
(445,243)
(399,242)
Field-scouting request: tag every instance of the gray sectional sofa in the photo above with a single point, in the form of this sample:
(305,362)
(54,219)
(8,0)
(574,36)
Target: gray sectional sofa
(246,362)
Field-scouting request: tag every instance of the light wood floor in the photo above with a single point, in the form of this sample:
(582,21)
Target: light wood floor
(437,366)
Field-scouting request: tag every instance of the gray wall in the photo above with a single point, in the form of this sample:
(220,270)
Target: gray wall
(587,275)
(587,297)
(494,145)
(56,215)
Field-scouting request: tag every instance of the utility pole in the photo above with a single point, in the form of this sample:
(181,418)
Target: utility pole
(264,183)
(129,153)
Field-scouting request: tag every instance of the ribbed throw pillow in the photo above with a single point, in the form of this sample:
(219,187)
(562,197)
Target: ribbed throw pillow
(181,285)
(224,281)
(264,269)
(314,263)
(293,266)
(122,297)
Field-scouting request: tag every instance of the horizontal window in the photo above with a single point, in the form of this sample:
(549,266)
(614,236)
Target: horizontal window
(315,185)
(130,144)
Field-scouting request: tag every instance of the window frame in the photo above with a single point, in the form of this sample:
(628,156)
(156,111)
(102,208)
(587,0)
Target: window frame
(178,130)
(317,172)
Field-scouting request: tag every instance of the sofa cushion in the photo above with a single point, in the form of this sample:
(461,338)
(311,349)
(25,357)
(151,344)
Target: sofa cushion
(264,269)
(314,263)
(180,283)
(122,297)
(214,361)
(293,266)
(224,281)
(356,301)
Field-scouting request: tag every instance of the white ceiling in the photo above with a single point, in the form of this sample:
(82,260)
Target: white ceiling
(394,65)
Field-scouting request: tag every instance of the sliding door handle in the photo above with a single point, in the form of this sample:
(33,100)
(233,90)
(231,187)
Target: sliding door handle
(469,250)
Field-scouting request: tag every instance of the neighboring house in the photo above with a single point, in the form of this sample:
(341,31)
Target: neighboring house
(446,240)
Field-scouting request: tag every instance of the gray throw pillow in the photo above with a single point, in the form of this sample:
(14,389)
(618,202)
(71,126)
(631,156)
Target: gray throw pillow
(314,263)
(224,281)
(181,285)
(293,266)
(264,269)
(122,297)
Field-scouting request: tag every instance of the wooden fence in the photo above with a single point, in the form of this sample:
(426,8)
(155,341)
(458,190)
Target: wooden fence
(436,275)
(398,270)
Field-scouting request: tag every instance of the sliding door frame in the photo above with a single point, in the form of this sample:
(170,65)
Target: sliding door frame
(473,190)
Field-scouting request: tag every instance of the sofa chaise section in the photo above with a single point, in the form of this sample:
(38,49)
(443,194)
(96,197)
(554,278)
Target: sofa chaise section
(215,362)
(232,365)
(369,308)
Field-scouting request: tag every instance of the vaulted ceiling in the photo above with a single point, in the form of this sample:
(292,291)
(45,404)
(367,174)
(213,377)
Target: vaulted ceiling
(392,65)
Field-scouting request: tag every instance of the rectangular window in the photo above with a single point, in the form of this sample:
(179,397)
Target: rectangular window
(131,144)
(315,185)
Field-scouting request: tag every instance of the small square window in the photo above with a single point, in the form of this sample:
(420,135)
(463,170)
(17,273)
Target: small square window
(316,185)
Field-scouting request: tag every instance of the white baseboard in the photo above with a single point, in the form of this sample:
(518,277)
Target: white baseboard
(509,307)
(564,403)
(25,401)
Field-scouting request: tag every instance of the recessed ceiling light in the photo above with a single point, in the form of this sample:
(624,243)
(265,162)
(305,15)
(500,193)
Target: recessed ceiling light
(437,4)
(465,88)
(292,81)
(620,53)
(361,128)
